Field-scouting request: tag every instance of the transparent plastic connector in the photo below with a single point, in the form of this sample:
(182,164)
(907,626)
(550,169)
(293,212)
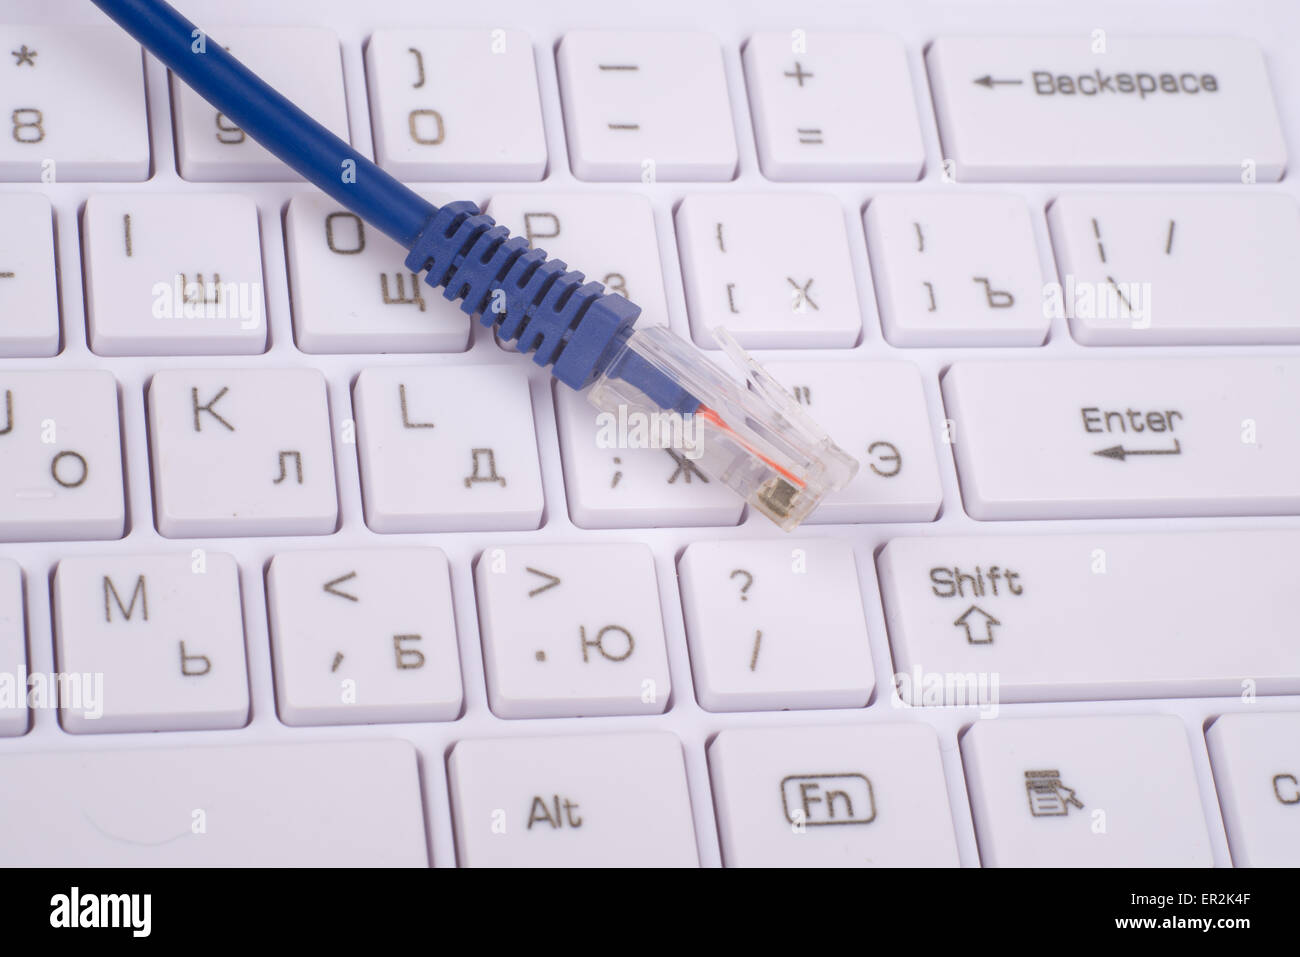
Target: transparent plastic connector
(750,434)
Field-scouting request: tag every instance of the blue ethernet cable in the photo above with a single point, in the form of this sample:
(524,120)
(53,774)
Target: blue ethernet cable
(757,441)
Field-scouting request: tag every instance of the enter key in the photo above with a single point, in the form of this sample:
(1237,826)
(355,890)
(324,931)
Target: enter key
(1125,438)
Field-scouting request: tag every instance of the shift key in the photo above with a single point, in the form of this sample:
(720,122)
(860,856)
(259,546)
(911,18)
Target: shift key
(1101,107)
(1013,618)
(1125,438)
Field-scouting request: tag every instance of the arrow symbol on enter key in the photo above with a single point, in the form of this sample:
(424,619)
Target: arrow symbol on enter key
(1121,453)
(970,620)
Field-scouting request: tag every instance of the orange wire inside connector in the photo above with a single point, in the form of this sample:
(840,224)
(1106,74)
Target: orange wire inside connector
(710,416)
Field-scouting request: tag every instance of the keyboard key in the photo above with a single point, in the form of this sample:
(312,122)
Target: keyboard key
(62,453)
(447,449)
(572,630)
(861,796)
(363,635)
(956,270)
(775,624)
(156,642)
(803,122)
(29,288)
(352,291)
(173,274)
(771,286)
(433,123)
(13,651)
(612,485)
(600,800)
(72,105)
(1085,792)
(876,411)
(1256,759)
(1152,610)
(324,804)
(1140,108)
(241,452)
(1120,438)
(643,105)
(1166,268)
(609,236)
(301,62)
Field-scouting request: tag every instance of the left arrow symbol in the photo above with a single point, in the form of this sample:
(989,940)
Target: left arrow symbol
(329,586)
(988,82)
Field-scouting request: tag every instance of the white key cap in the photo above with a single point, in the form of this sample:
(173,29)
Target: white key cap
(1162,268)
(29,288)
(352,291)
(646,103)
(771,286)
(13,651)
(1151,611)
(171,274)
(803,124)
(62,453)
(600,800)
(447,449)
(956,270)
(876,411)
(854,796)
(241,452)
(572,630)
(1085,792)
(1256,759)
(72,104)
(301,62)
(363,635)
(775,624)
(1144,437)
(1145,108)
(157,641)
(456,104)
(610,237)
(613,486)
(330,804)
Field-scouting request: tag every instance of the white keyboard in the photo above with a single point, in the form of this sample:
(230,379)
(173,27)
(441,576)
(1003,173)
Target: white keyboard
(299,566)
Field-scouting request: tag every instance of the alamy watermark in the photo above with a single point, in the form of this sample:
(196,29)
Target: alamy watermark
(632,429)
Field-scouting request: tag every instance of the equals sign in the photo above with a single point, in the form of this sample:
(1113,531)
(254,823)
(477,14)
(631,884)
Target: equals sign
(810,136)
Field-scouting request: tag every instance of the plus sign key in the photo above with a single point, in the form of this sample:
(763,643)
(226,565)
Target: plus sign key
(572,630)
(836,106)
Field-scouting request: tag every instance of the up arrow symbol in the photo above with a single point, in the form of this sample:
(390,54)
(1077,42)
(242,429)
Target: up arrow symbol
(978,624)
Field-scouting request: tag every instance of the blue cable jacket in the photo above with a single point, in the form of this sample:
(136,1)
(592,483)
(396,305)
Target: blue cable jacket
(570,324)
